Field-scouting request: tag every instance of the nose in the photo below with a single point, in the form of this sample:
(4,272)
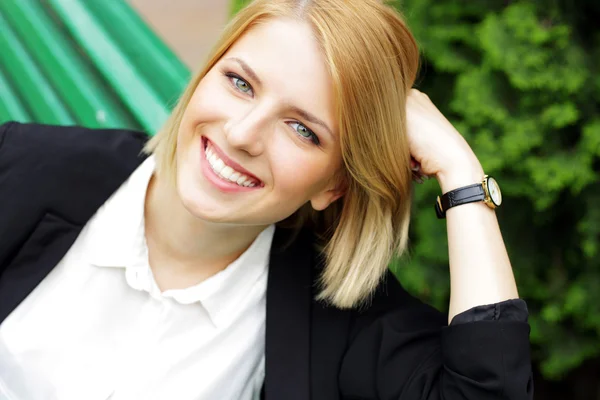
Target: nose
(248,132)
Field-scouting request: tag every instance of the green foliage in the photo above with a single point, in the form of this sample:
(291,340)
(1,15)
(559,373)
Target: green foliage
(237,5)
(520,81)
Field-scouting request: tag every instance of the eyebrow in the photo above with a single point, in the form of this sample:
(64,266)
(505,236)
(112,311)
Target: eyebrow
(247,69)
(311,118)
(303,113)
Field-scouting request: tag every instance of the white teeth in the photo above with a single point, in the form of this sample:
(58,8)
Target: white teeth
(225,171)
(218,166)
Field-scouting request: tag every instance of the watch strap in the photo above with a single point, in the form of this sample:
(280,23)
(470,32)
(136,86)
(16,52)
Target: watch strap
(463,195)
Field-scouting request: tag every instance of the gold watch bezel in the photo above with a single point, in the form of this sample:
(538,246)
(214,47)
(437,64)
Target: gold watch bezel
(486,191)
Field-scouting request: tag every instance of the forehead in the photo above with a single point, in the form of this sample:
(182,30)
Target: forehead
(288,60)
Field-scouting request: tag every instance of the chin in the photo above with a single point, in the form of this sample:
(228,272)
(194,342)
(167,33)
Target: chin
(201,206)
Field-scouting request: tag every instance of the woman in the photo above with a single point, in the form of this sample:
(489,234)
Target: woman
(247,255)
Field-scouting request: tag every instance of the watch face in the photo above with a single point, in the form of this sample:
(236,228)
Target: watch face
(494,191)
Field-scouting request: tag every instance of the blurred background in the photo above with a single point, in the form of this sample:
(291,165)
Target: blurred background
(519,79)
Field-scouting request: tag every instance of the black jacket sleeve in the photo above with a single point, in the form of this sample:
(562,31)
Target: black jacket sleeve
(403,349)
(509,310)
(3,128)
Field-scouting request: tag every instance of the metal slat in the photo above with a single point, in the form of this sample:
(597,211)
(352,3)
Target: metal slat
(151,57)
(143,102)
(21,70)
(71,77)
(11,108)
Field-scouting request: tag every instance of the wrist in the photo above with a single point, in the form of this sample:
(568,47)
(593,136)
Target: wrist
(459,177)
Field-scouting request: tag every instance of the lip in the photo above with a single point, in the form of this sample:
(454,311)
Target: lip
(228,160)
(216,180)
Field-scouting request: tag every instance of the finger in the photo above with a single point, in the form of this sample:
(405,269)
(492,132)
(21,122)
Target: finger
(414,165)
(418,179)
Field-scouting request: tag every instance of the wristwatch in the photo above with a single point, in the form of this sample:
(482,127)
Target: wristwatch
(487,191)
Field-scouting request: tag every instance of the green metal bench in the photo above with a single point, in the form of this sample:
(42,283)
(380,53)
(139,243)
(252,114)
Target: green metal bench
(84,62)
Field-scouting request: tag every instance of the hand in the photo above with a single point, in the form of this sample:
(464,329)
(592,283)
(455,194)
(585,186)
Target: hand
(437,148)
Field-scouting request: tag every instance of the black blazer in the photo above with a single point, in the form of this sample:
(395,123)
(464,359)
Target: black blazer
(53,179)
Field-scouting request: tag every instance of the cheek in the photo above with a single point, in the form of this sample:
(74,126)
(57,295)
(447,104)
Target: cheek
(299,173)
(207,103)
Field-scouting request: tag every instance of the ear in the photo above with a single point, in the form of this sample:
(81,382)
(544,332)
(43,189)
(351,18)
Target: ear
(323,199)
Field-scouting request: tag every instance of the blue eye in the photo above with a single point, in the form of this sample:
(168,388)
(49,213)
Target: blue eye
(239,83)
(305,132)
(242,85)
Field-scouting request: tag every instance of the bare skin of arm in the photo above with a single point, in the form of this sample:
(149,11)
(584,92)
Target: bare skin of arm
(480,269)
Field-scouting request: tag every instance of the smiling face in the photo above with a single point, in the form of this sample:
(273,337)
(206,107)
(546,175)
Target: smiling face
(258,138)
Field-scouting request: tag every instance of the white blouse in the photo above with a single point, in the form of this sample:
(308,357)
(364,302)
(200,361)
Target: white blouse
(98,327)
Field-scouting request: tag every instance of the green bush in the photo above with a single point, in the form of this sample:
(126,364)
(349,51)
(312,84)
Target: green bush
(520,81)
(236,5)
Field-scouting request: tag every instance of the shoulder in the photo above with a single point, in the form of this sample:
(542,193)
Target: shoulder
(46,142)
(68,170)
(393,312)
(391,339)
(391,302)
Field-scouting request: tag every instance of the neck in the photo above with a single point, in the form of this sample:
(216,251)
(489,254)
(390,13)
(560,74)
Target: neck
(183,249)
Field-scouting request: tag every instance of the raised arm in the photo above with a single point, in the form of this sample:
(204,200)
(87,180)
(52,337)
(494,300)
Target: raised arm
(480,270)
(403,349)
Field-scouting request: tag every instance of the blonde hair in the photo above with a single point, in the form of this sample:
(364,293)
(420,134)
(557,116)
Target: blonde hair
(373,61)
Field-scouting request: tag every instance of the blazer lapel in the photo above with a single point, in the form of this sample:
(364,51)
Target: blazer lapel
(289,293)
(45,247)
(329,341)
